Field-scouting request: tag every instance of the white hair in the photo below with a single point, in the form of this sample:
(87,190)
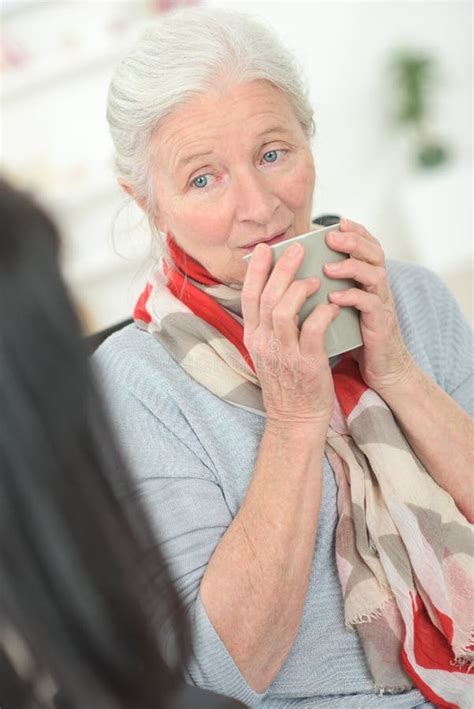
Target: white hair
(180,55)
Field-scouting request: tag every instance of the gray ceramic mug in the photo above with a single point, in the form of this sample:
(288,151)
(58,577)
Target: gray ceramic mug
(344,332)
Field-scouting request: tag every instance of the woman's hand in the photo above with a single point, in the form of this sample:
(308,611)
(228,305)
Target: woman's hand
(292,365)
(383,359)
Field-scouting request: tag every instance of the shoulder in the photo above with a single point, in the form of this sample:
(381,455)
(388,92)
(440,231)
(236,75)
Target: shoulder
(407,279)
(126,349)
(150,399)
(133,361)
(138,377)
(432,324)
(421,297)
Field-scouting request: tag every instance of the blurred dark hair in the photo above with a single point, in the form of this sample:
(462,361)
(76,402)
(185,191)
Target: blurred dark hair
(84,589)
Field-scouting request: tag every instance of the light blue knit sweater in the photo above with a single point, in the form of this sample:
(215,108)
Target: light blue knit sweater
(193,456)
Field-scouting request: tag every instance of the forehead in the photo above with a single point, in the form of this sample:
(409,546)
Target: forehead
(211,120)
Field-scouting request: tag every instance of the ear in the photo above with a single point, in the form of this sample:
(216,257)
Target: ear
(125,186)
(160,222)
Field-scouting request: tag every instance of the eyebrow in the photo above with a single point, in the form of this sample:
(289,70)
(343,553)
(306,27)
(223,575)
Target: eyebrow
(188,158)
(273,129)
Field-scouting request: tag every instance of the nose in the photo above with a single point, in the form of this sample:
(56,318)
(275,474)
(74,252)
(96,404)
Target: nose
(254,199)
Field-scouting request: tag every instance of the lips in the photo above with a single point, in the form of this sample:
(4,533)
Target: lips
(275,239)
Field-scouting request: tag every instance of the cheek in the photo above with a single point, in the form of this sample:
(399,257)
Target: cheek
(199,226)
(207,225)
(299,186)
(191,222)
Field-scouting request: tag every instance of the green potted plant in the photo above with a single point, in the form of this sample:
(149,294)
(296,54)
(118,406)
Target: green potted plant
(431,202)
(414,76)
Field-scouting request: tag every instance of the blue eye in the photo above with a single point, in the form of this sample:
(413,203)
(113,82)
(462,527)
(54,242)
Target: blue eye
(201,184)
(273,154)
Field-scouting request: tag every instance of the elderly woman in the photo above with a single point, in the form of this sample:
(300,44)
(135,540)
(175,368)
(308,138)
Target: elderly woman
(299,498)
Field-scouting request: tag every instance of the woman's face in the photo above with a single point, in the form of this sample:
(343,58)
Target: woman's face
(231,169)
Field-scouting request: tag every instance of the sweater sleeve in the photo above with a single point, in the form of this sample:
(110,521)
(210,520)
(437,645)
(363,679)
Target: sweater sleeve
(189,515)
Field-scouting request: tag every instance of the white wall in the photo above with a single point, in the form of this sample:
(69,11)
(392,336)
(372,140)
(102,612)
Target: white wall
(55,139)
(362,165)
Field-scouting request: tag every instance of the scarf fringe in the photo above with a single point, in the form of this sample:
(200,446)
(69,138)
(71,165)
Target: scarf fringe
(465,656)
(369,616)
(380,691)
(461,662)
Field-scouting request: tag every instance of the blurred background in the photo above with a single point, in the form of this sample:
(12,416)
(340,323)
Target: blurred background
(391,84)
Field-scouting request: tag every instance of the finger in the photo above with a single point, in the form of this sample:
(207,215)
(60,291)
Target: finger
(314,329)
(356,245)
(285,314)
(278,282)
(373,313)
(373,278)
(254,283)
(349,225)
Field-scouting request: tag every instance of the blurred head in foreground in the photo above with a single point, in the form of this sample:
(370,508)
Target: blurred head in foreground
(84,589)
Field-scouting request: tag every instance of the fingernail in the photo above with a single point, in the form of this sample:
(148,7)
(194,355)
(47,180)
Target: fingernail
(332,266)
(294,250)
(337,236)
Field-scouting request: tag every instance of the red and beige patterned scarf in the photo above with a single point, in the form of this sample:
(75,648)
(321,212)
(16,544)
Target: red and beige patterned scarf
(404,551)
